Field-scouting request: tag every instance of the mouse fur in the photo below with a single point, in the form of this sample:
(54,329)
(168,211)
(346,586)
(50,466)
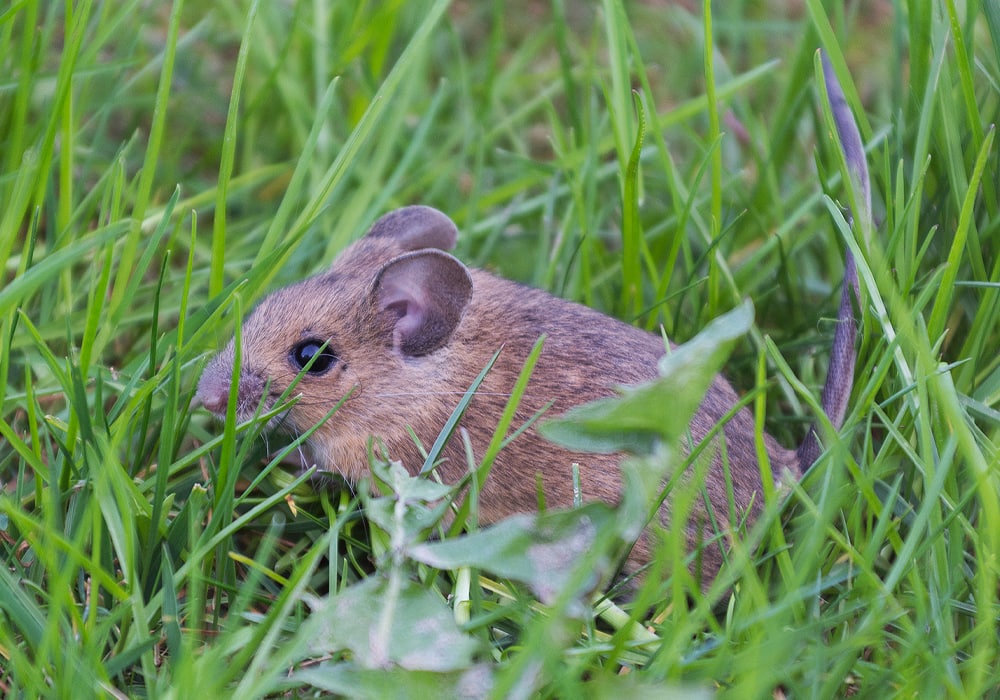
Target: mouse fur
(411,327)
(407,329)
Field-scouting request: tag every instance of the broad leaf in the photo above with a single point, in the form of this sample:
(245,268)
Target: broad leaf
(392,622)
(661,409)
(547,552)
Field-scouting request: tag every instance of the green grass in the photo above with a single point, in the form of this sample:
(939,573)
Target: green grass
(162,167)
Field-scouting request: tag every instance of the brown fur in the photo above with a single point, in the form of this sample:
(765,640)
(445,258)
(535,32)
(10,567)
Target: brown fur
(585,356)
(412,328)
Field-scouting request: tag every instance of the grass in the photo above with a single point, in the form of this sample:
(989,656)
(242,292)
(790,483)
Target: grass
(162,167)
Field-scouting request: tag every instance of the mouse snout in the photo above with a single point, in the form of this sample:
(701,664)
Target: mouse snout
(213,391)
(215,386)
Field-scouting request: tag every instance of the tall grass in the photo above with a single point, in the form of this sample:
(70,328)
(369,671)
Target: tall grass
(162,167)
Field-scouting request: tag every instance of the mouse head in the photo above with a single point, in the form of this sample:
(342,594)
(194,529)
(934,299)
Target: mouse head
(374,327)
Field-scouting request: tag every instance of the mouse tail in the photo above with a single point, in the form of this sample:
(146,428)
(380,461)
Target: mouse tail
(840,375)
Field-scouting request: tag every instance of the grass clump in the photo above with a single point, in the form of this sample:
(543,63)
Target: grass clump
(161,167)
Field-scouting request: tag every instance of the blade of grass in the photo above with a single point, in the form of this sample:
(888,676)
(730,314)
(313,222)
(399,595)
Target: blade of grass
(215,279)
(942,303)
(119,295)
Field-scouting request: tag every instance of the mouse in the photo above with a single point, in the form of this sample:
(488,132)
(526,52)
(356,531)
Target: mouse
(398,328)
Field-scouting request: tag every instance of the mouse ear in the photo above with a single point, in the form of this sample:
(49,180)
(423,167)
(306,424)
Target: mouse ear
(427,291)
(416,227)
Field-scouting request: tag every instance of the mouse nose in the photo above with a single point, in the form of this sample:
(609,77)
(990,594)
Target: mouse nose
(213,392)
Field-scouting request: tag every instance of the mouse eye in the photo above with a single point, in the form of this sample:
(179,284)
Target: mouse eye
(308,350)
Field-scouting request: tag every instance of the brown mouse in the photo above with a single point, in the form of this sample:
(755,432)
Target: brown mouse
(405,327)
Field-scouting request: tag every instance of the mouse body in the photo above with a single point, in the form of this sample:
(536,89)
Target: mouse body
(402,328)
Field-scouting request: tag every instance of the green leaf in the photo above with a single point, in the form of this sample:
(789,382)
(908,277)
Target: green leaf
(350,681)
(20,610)
(659,410)
(404,513)
(422,634)
(547,552)
(55,263)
